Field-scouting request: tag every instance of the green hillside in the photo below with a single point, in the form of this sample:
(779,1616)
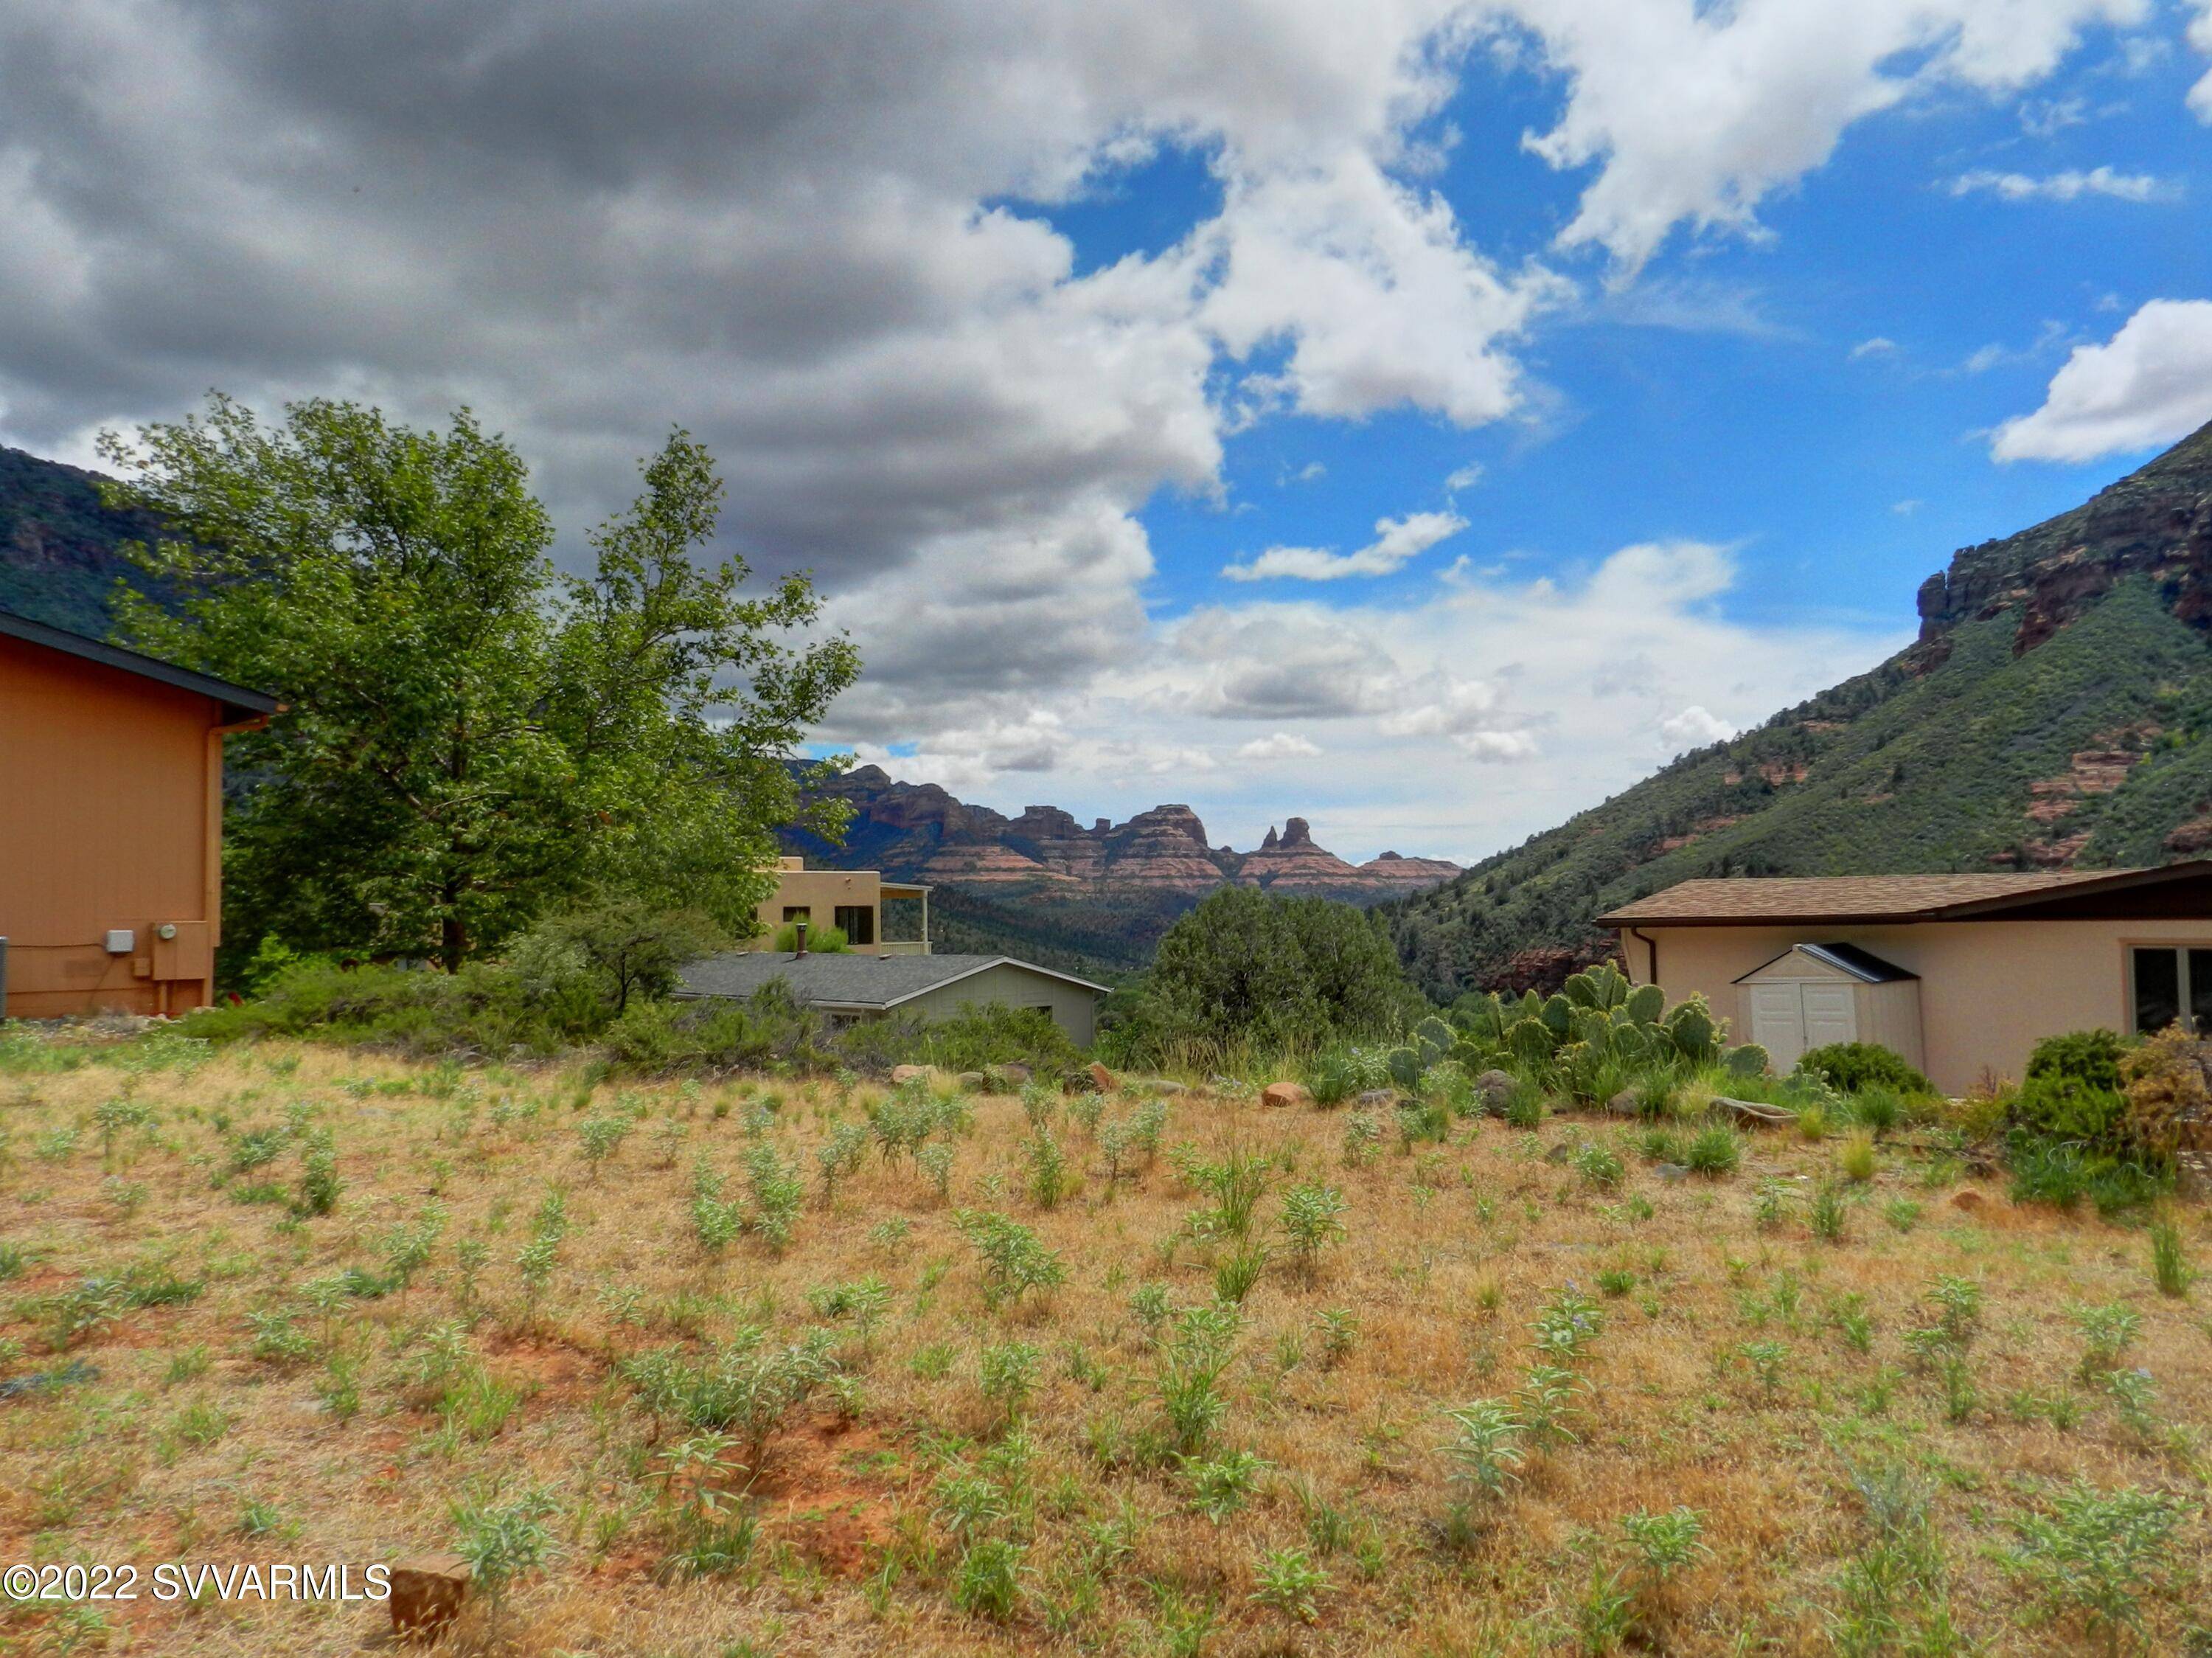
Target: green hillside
(2055,713)
(58,559)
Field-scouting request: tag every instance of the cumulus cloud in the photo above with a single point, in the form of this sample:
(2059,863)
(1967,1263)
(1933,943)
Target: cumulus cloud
(1396,540)
(1693,728)
(2070,186)
(1880,345)
(1696,113)
(2148,386)
(1282,745)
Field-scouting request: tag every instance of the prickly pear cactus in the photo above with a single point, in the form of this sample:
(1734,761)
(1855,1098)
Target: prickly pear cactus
(1645,1003)
(1558,1013)
(1530,1041)
(1748,1059)
(1692,1030)
(1433,1038)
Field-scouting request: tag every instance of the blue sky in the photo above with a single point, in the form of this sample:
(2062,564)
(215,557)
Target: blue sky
(1423,417)
(1720,398)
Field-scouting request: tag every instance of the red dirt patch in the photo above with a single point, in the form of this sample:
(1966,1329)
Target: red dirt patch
(817,1493)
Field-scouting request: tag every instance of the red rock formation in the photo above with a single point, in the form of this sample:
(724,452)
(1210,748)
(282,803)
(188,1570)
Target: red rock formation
(919,831)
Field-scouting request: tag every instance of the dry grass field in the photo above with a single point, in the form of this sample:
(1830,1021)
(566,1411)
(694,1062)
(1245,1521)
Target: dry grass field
(680,1394)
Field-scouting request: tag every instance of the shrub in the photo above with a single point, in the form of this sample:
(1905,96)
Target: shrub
(1716,1149)
(820,941)
(1852,1067)
(2096,1553)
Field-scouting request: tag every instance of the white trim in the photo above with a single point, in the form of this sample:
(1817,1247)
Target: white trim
(996,961)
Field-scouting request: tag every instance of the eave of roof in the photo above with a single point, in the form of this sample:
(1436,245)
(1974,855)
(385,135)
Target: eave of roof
(1859,897)
(907,977)
(239,703)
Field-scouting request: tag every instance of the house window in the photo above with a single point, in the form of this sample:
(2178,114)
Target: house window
(857,922)
(1045,1007)
(2167,984)
(797,912)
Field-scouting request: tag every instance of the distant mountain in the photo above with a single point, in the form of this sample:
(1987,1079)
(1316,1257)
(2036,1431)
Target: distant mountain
(1042,882)
(2056,711)
(59,546)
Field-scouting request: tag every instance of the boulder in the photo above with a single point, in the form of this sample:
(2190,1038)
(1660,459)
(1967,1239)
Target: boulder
(1375,1097)
(1162,1086)
(1284,1093)
(1102,1079)
(1670,1174)
(969,1080)
(1010,1076)
(426,1593)
(1495,1088)
(1559,1153)
(908,1073)
(1625,1104)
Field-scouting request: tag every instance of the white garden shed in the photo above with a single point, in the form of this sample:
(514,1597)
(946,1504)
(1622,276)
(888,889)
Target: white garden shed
(1812,995)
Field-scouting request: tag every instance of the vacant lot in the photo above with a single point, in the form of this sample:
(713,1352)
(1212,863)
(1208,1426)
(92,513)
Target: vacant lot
(683,1391)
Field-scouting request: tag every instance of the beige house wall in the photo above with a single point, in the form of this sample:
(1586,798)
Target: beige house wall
(1073,1008)
(1989,990)
(822,891)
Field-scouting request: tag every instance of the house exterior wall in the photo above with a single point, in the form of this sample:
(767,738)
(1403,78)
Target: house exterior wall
(821,892)
(110,816)
(1989,990)
(1073,1008)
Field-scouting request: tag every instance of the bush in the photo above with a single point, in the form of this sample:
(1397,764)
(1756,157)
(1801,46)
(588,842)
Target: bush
(974,1038)
(1851,1066)
(1245,967)
(820,941)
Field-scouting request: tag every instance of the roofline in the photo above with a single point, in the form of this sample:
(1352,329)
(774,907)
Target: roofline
(926,990)
(1963,910)
(1825,953)
(999,962)
(240,706)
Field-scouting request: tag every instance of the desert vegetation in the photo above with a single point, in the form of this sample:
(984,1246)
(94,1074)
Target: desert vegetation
(784,1359)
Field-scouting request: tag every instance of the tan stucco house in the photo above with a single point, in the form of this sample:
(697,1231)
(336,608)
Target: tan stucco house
(874,976)
(852,900)
(1962,974)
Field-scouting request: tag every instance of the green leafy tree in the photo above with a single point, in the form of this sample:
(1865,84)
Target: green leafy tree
(1275,971)
(470,738)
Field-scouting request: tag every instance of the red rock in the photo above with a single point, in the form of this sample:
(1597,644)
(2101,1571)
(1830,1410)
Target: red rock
(426,1593)
(1102,1079)
(1970,1201)
(1279,1095)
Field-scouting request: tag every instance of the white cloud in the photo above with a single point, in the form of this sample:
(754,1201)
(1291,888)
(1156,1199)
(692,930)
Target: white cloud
(2200,36)
(1464,478)
(1396,540)
(2070,186)
(1282,745)
(2149,385)
(1696,113)
(1693,728)
(1880,345)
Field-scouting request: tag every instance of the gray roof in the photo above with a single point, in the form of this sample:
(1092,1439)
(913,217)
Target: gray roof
(847,979)
(239,704)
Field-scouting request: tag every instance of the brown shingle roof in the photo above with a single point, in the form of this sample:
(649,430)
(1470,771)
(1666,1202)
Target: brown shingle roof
(1846,898)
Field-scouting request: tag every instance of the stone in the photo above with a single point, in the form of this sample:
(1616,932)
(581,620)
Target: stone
(1010,1076)
(1167,1087)
(1671,1173)
(1559,1153)
(426,1593)
(1279,1095)
(1625,1103)
(1970,1201)
(1375,1097)
(969,1079)
(1101,1078)
(1495,1088)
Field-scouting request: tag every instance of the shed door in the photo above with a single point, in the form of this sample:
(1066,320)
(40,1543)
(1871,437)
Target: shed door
(1831,1015)
(1777,1022)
